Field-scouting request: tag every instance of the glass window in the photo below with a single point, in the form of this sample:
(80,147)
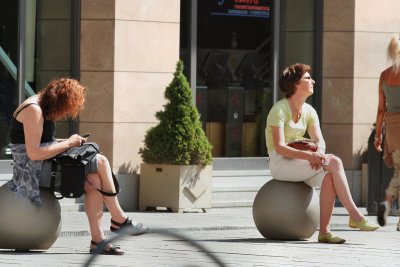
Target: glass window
(234,74)
(235,64)
(8,85)
(48,51)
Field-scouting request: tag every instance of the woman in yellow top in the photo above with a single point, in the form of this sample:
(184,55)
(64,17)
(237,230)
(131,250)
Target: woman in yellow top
(290,119)
(389,112)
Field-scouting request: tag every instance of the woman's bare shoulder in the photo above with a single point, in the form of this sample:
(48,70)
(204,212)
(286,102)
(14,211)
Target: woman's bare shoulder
(28,110)
(387,72)
(388,76)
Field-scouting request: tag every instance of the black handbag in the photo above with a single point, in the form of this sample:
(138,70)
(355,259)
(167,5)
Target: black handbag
(69,170)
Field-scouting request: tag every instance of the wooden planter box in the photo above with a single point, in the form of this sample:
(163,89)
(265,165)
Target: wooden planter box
(177,187)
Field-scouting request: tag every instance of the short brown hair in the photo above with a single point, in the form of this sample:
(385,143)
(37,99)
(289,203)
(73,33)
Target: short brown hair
(62,98)
(290,76)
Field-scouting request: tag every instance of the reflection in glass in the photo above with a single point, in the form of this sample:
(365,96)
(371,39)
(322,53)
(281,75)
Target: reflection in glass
(8,85)
(234,74)
(48,54)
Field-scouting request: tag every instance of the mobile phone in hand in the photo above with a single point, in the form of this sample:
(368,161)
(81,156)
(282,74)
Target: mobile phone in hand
(86,135)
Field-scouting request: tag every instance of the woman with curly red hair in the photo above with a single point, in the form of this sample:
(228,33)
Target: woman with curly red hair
(33,143)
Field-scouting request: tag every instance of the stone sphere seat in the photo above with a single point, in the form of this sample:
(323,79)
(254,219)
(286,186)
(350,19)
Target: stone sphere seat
(24,226)
(286,210)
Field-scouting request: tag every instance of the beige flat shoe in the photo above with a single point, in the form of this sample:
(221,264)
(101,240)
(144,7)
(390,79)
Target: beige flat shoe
(363,225)
(329,238)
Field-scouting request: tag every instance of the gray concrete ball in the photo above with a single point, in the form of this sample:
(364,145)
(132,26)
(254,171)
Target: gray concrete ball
(24,226)
(286,210)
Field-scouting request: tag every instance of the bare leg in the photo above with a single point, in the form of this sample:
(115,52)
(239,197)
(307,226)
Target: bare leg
(94,208)
(389,200)
(342,188)
(327,201)
(107,184)
(94,212)
(392,190)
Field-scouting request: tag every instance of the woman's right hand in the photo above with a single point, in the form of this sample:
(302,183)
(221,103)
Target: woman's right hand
(76,140)
(378,144)
(316,160)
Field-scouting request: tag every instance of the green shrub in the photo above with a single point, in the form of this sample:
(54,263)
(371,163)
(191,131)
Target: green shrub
(178,139)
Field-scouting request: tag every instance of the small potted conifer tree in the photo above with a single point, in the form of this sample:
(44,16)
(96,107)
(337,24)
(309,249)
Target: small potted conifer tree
(176,172)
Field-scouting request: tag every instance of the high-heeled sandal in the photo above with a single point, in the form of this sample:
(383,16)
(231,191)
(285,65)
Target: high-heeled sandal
(111,251)
(137,229)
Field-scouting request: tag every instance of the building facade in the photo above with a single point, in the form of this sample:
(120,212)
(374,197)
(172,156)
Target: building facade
(125,52)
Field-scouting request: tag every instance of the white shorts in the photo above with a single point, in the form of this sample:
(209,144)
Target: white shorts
(295,170)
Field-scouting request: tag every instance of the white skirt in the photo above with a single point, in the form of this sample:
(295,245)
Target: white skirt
(295,170)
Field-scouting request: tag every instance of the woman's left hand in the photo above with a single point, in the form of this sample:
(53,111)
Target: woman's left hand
(76,140)
(325,161)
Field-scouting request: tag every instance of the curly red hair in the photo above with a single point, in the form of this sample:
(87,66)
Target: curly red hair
(62,98)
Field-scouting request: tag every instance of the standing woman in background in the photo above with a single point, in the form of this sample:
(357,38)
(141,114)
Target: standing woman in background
(389,112)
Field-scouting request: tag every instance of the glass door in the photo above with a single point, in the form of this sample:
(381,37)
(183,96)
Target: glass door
(50,47)
(235,74)
(8,84)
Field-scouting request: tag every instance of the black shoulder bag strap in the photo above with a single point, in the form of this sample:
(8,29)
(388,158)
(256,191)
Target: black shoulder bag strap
(104,193)
(53,179)
(116,184)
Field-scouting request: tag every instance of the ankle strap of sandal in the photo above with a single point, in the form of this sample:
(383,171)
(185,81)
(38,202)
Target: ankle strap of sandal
(127,222)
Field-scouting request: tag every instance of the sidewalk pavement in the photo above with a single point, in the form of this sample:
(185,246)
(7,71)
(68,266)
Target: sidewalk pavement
(230,234)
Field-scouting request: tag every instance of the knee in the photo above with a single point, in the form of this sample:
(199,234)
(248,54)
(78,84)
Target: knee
(93,180)
(336,163)
(102,161)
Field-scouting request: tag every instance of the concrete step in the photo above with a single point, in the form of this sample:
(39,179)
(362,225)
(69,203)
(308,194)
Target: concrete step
(4,178)
(232,164)
(234,195)
(5,166)
(232,204)
(5,171)
(236,181)
(239,181)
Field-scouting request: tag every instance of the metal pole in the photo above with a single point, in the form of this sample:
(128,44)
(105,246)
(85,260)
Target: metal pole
(318,31)
(76,33)
(193,49)
(276,51)
(21,50)
(75,48)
